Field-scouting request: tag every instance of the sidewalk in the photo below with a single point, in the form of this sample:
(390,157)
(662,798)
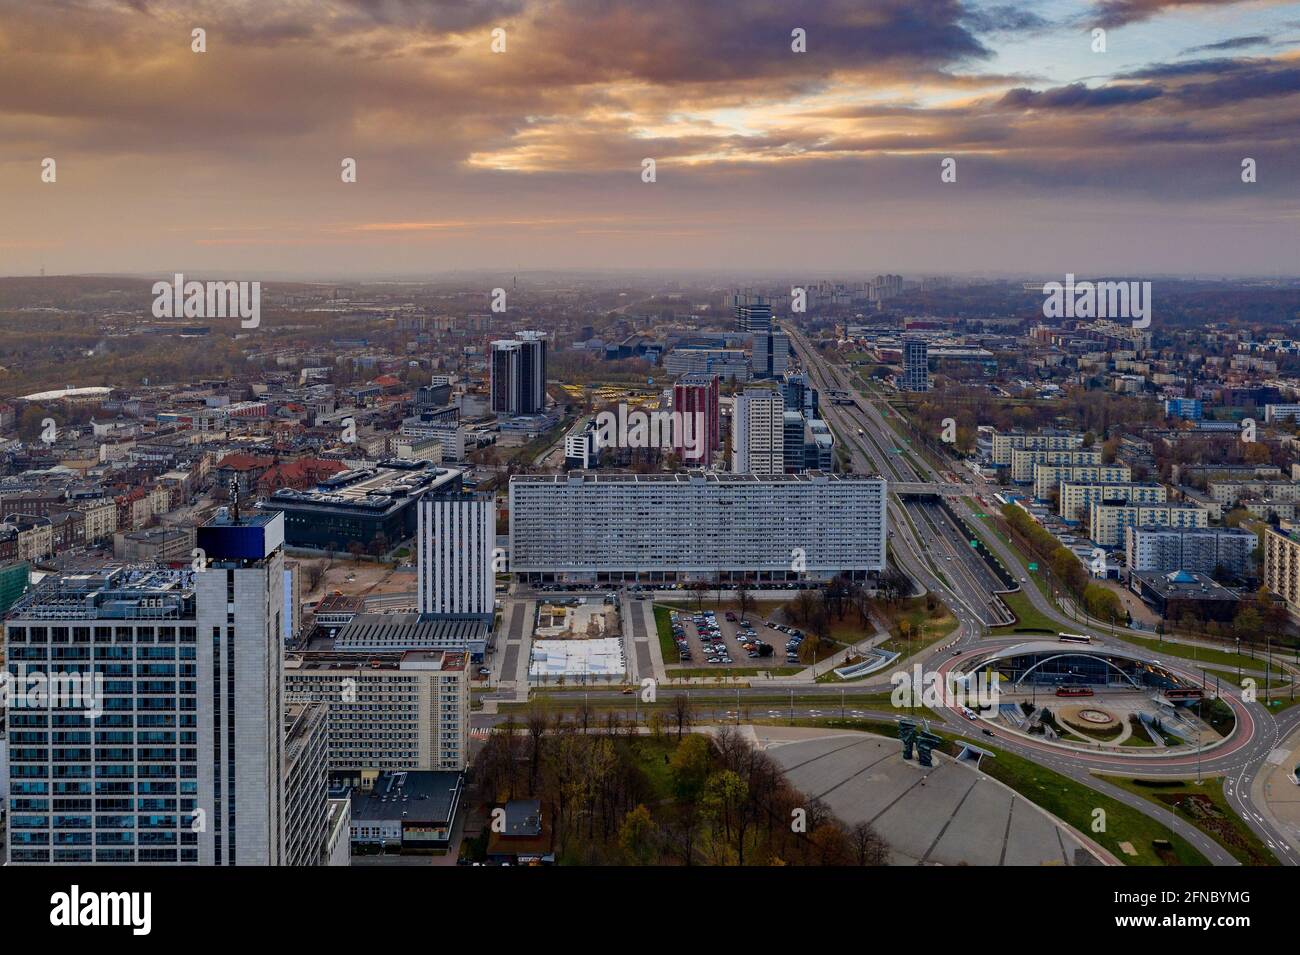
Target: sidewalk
(1274,792)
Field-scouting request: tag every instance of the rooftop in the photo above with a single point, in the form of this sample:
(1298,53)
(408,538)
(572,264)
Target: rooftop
(409,797)
(689,477)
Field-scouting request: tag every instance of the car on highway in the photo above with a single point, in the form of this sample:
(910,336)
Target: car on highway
(987,732)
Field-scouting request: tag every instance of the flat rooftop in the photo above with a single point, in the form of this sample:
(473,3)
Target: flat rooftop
(408,798)
(312,660)
(689,477)
(123,592)
(411,630)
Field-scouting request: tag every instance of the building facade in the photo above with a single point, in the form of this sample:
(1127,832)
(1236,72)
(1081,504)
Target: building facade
(698,525)
(1107,522)
(698,395)
(758,433)
(455,538)
(388,711)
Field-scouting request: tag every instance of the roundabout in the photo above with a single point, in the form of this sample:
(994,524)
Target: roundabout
(1105,707)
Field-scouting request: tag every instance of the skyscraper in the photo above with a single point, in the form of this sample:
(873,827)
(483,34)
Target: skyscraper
(916,364)
(517,370)
(698,395)
(758,433)
(454,541)
(239,599)
(171,748)
(752,312)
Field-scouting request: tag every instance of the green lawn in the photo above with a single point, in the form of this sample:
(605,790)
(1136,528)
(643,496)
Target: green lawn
(1213,816)
(664,625)
(1028,618)
(1206,655)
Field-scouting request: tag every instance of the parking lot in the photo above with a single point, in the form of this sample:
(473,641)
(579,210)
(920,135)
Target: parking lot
(723,639)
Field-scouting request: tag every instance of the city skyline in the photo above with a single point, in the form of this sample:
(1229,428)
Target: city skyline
(1126,161)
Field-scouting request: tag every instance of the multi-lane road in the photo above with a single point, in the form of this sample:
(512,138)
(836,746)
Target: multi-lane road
(875,447)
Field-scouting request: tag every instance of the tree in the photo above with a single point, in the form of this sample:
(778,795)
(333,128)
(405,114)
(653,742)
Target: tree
(690,766)
(744,597)
(637,836)
(866,846)
(681,713)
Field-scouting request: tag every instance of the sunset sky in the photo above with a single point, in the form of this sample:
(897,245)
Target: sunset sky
(1127,161)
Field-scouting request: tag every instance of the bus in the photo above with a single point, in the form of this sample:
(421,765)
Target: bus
(1074,638)
(1073,691)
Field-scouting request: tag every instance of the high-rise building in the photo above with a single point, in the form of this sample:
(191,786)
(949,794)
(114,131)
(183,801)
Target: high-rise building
(454,539)
(517,371)
(697,395)
(758,432)
(595,526)
(306,784)
(752,312)
(239,603)
(800,395)
(581,450)
(916,364)
(170,749)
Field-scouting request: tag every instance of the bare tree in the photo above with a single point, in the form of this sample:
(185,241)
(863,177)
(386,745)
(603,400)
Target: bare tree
(681,713)
(867,846)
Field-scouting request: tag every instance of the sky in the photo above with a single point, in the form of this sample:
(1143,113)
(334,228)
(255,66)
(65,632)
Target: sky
(1068,157)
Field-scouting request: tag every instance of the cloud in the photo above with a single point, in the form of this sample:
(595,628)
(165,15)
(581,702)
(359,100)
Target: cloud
(1119,12)
(1233,43)
(1079,96)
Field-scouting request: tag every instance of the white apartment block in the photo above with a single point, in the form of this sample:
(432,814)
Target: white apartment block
(1048,477)
(1023,461)
(1077,498)
(1282,565)
(388,711)
(1004,442)
(696,525)
(1229,492)
(1107,522)
(758,433)
(1282,412)
(454,539)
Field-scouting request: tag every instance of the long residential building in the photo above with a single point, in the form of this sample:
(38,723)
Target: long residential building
(1076,498)
(1200,550)
(1230,492)
(696,525)
(1004,442)
(1107,522)
(1023,461)
(1048,477)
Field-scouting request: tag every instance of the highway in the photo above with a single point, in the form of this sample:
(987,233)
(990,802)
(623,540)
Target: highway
(872,452)
(924,542)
